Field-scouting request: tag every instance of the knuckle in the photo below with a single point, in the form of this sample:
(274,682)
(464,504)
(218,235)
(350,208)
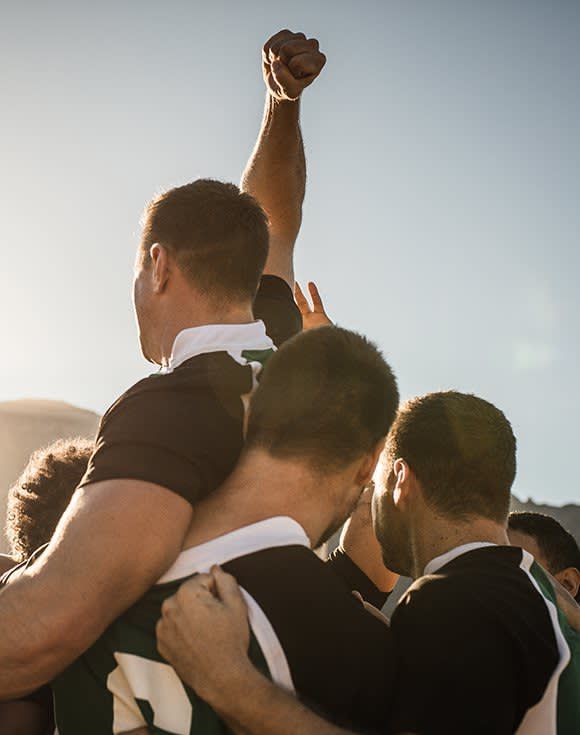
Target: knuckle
(167,608)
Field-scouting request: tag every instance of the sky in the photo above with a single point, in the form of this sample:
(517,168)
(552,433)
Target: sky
(441,217)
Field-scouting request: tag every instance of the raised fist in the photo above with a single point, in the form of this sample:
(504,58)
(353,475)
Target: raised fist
(291,62)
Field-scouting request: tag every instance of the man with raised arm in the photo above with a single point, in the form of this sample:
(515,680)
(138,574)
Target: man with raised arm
(171,439)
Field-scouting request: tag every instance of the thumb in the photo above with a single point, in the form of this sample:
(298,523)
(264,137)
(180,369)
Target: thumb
(228,591)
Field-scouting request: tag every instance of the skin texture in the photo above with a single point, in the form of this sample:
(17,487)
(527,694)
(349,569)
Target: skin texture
(276,172)
(411,532)
(101,531)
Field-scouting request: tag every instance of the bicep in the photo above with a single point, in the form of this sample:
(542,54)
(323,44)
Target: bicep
(113,542)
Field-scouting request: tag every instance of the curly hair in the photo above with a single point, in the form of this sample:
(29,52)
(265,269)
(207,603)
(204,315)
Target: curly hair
(41,494)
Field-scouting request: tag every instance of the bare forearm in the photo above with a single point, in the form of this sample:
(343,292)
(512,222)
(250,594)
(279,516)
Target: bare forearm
(30,652)
(252,705)
(276,176)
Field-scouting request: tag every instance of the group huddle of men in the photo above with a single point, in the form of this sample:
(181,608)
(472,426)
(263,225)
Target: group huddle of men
(168,583)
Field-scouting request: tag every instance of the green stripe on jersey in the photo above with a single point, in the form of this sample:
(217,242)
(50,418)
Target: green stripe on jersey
(122,683)
(261,356)
(569,682)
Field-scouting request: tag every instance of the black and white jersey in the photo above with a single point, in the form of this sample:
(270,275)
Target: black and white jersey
(479,648)
(309,635)
(182,428)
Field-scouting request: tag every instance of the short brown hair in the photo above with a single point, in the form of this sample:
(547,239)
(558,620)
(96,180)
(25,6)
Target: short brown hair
(42,492)
(218,234)
(327,396)
(556,543)
(462,450)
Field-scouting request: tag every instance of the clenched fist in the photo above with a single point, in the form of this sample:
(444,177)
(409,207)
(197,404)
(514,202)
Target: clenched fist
(291,62)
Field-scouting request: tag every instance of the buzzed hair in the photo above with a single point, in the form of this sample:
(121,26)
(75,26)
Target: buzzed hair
(41,494)
(558,546)
(326,397)
(462,450)
(218,234)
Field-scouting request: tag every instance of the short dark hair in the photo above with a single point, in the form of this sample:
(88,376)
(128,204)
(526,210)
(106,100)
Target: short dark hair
(327,397)
(461,449)
(42,492)
(218,234)
(558,546)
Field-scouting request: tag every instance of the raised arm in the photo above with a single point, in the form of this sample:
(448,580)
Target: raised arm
(276,172)
(114,541)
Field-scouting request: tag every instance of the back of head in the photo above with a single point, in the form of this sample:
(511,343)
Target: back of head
(327,397)
(218,235)
(461,449)
(557,545)
(42,492)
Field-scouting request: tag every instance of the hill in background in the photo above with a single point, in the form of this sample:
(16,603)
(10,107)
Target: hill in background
(27,425)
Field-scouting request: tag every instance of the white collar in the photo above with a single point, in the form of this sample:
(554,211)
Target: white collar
(231,338)
(268,534)
(439,561)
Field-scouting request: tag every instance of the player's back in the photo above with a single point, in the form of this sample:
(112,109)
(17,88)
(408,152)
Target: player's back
(479,647)
(309,634)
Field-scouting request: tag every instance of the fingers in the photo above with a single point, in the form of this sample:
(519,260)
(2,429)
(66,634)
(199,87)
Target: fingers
(285,80)
(300,299)
(294,47)
(228,591)
(298,54)
(316,298)
(273,44)
(304,65)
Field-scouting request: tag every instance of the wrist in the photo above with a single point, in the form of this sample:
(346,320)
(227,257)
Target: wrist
(275,103)
(228,693)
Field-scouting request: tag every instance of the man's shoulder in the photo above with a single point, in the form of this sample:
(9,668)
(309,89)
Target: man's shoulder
(488,587)
(202,373)
(295,588)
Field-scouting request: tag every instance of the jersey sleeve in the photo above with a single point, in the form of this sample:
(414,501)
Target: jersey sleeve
(275,306)
(455,671)
(353,577)
(184,441)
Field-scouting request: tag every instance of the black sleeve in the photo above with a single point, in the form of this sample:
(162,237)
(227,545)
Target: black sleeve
(275,306)
(354,578)
(455,669)
(187,442)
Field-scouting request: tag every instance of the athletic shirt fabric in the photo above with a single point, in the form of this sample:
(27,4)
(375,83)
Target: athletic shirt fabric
(309,635)
(479,648)
(182,429)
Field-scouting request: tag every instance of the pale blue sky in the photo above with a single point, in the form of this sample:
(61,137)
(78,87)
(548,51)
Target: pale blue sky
(442,211)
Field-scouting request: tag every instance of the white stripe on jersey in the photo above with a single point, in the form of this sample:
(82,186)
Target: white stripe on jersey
(541,719)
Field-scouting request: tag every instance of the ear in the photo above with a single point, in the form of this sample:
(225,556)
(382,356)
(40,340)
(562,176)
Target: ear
(570,579)
(160,267)
(369,464)
(403,476)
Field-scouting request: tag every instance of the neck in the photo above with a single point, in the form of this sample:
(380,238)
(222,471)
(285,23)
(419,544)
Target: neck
(262,487)
(178,318)
(440,535)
